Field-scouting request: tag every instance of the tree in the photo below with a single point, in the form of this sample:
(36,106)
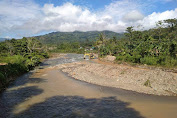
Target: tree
(10,47)
(171,23)
(172,28)
(156,46)
(129,33)
(101,41)
(159,26)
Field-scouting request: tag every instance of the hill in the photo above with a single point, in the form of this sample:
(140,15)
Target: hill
(76,36)
(3,39)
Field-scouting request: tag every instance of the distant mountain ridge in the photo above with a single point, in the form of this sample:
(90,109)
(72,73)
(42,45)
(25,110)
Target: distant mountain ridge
(79,36)
(3,39)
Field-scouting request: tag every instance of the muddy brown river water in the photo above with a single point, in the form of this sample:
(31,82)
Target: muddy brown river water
(48,92)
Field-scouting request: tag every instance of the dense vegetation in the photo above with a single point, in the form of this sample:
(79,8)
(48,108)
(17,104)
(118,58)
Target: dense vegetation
(157,46)
(77,36)
(72,47)
(73,42)
(66,47)
(18,57)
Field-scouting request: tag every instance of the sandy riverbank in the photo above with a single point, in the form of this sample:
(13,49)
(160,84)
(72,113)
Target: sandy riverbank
(123,76)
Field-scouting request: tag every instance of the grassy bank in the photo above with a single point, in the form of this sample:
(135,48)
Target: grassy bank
(15,66)
(18,57)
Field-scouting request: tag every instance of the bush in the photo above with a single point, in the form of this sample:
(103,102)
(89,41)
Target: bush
(136,58)
(120,58)
(104,51)
(128,58)
(170,62)
(147,83)
(45,55)
(12,69)
(161,60)
(149,60)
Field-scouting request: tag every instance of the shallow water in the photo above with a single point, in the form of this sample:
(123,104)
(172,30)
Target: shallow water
(50,93)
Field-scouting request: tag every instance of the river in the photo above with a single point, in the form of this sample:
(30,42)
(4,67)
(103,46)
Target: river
(47,92)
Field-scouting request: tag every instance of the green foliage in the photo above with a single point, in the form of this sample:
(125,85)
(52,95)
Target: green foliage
(170,62)
(104,51)
(73,42)
(13,59)
(77,36)
(157,46)
(66,47)
(149,60)
(21,56)
(147,83)
(120,58)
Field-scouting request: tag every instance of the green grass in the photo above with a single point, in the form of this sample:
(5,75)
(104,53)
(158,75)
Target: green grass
(16,65)
(12,59)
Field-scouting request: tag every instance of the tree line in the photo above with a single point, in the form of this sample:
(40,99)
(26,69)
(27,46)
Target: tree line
(19,57)
(156,46)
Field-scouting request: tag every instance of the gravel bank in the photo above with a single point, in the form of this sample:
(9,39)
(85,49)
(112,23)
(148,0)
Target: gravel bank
(125,77)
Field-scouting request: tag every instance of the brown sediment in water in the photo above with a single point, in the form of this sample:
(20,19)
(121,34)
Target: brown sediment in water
(58,89)
(49,92)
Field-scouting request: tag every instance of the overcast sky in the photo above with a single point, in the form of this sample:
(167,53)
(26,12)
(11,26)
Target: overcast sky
(20,18)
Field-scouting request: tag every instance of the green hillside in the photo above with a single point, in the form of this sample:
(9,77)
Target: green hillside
(76,36)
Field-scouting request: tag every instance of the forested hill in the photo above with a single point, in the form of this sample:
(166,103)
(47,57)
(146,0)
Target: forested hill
(76,36)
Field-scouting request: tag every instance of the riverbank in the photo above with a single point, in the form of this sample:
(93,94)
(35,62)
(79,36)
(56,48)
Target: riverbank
(148,81)
(143,80)
(16,67)
(48,92)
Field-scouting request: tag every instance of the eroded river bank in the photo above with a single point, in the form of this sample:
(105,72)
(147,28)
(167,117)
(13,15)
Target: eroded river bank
(48,92)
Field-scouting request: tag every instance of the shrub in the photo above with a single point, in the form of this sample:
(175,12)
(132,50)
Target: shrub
(147,83)
(128,58)
(45,55)
(120,58)
(149,60)
(13,59)
(136,58)
(170,62)
(161,60)
(104,51)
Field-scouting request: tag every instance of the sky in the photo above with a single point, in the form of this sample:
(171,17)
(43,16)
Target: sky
(24,18)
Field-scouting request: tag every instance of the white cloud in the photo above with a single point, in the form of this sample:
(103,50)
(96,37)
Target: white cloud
(16,12)
(118,9)
(150,20)
(26,18)
(133,16)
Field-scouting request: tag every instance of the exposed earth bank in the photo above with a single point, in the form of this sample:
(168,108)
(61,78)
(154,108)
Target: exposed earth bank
(149,81)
